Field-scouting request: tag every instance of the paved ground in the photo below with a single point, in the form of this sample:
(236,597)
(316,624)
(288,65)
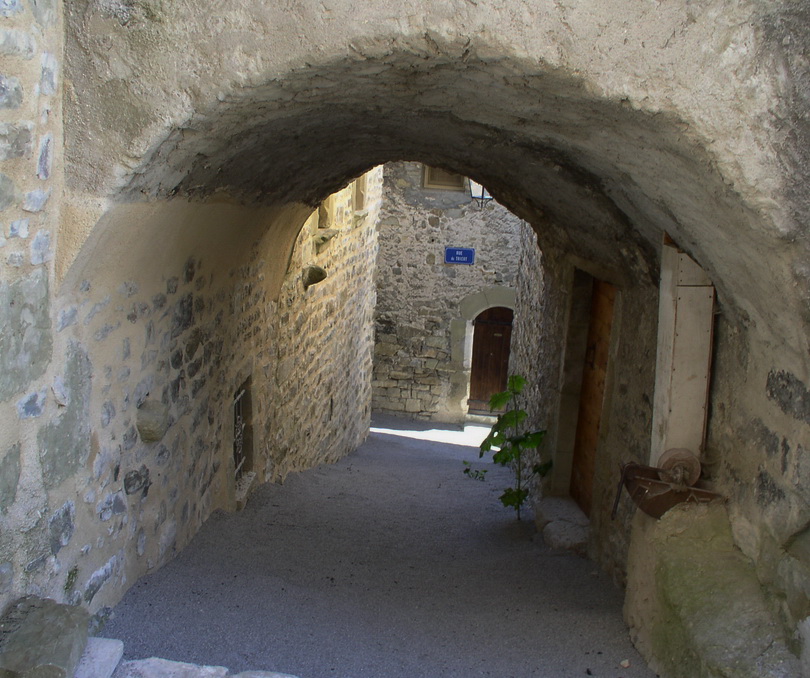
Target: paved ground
(388,564)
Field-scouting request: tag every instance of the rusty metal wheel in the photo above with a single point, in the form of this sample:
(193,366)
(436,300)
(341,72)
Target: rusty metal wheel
(678,465)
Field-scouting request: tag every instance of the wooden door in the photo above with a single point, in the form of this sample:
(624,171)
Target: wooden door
(592,394)
(492,336)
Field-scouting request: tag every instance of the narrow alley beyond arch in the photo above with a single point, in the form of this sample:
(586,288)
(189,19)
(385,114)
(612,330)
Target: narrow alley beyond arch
(388,563)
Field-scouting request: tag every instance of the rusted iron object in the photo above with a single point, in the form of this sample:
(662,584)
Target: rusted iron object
(652,491)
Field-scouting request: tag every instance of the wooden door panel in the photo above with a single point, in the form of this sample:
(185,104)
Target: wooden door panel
(592,394)
(489,369)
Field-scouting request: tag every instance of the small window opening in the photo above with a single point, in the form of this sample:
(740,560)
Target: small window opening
(437,178)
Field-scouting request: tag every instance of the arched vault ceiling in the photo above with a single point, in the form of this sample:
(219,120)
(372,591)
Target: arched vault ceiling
(601,156)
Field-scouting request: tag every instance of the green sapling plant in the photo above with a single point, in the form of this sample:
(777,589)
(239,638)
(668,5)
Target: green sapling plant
(511,443)
(474,473)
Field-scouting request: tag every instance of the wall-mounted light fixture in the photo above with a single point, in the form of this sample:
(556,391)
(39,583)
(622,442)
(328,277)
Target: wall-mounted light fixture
(479,193)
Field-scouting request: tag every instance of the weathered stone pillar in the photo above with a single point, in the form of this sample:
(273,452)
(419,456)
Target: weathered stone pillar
(31,171)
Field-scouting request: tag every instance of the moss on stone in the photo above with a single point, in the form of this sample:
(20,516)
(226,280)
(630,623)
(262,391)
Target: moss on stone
(70,580)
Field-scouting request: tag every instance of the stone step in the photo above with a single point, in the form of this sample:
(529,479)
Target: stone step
(163,668)
(562,524)
(100,659)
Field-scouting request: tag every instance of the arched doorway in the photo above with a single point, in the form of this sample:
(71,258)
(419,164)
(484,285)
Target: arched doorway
(461,341)
(489,369)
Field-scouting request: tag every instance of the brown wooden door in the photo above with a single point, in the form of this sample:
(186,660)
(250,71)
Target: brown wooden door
(489,371)
(592,394)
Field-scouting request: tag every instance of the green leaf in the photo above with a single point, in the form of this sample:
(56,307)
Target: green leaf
(516,383)
(504,456)
(520,441)
(494,439)
(543,469)
(498,401)
(507,442)
(532,440)
(499,426)
(512,418)
(514,498)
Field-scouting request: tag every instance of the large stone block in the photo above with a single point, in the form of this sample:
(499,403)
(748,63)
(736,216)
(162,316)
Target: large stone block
(152,421)
(14,42)
(61,526)
(15,140)
(558,509)
(64,444)
(25,343)
(696,608)
(11,92)
(101,657)
(565,536)
(164,668)
(40,638)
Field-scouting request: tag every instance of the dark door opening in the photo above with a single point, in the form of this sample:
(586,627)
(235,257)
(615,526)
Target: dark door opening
(489,370)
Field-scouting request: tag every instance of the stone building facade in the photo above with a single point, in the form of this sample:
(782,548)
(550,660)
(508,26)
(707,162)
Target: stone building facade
(425,307)
(144,142)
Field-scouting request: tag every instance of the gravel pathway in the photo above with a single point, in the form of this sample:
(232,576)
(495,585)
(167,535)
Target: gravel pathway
(389,564)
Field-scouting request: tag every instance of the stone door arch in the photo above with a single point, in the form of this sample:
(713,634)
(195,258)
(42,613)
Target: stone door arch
(461,341)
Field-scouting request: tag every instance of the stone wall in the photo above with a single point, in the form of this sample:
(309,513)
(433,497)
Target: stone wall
(537,347)
(132,433)
(421,364)
(324,335)
(757,454)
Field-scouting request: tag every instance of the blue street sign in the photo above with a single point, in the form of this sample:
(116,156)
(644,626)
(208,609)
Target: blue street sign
(459,255)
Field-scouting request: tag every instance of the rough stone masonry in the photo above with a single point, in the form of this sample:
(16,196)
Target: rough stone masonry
(421,362)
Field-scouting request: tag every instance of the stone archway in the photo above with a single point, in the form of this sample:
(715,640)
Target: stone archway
(187,157)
